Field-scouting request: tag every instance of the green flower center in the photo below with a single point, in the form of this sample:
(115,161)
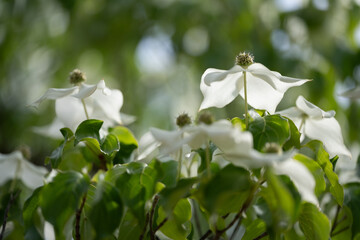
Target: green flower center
(272,147)
(76,77)
(182,120)
(244,59)
(206,118)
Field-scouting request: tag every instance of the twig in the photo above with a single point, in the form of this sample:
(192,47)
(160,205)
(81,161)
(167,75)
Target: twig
(144,229)
(160,225)
(335,219)
(206,235)
(196,218)
(152,211)
(235,230)
(340,231)
(11,201)
(78,217)
(261,236)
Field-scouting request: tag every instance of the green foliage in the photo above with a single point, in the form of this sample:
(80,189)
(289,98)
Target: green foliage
(315,170)
(313,223)
(65,192)
(270,129)
(105,209)
(30,216)
(128,143)
(254,230)
(56,155)
(322,158)
(279,201)
(178,225)
(88,129)
(352,201)
(225,192)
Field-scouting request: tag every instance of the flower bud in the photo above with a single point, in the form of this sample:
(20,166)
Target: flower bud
(272,147)
(76,77)
(244,59)
(25,150)
(206,118)
(182,120)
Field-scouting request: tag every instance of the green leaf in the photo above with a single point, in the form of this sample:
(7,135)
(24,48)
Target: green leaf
(129,228)
(128,144)
(322,158)
(313,223)
(110,144)
(60,199)
(343,226)
(315,170)
(151,175)
(279,201)
(269,129)
(56,155)
(226,192)
(30,215)
(254,230)
(131,190)
(170,196)
(239,123)
(178,225)
(88,129)
(294,140)
(352,200)
(169,170)
(106,209)
(124,135)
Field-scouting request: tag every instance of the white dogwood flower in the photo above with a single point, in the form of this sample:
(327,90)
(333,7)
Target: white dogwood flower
(265,88)
(76,104)
(241,153)
(353,93)
(317,124)
(15,166)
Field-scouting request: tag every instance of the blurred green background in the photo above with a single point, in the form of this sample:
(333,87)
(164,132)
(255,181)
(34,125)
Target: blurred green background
(155,52)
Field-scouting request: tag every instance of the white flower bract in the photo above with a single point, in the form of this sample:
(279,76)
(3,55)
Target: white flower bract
(15,166)
(265,88)
(319,125)
(101,103)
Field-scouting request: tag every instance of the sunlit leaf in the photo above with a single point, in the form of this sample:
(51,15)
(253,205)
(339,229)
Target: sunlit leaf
(178,225)
(226,191)
(271,128)
(88,129)
(60,199)
(110,144)
(322,158)
(313,223)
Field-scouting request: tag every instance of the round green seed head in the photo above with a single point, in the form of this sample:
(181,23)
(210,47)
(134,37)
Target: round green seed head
(244,59)
(206,118)
(76,77)
(183,119)
(272,147)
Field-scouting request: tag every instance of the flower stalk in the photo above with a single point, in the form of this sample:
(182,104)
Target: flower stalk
(246,103)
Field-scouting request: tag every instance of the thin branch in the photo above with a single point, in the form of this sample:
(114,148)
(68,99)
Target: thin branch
(340,231)
(144,229)
(78,217)
(152,211)
(160,225)
(196,218)
(261,236)
(335,219)
(11,201)
(235,230)
(206,235)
